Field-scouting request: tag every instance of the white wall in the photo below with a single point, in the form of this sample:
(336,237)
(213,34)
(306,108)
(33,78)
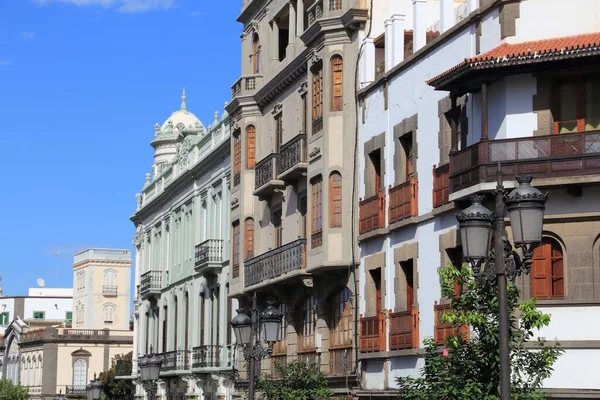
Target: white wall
(55,308)
(575,369)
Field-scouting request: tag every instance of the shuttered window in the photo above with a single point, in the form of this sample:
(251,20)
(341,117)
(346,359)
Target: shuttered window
(80,373)
(335,200)
(316,205)
(337,75)
(235,254)
(248,239)
(237,156)
(317,93)
(547,274)
(341,319)
(250,146)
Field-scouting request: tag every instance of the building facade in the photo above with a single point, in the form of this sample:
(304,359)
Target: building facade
(182,307)
(451,88)
(293,122)
(101,286)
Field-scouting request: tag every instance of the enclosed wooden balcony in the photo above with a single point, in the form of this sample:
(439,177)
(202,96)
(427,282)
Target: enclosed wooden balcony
(551,156)
(266,181)
(403,201)
(275,263)
(340,362)
(441,185)
(372,213)
(404,330)
(443,330)
(150,283)
(293,158)
(209,255)
(372,333)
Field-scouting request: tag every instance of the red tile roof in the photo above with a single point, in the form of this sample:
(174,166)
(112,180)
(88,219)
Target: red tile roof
(528,52)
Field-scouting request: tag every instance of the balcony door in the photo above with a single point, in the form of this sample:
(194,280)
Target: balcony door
(407,147)
(577,104)
(278,232)
(376,276)
(375,158)
(165,329)
(407,269)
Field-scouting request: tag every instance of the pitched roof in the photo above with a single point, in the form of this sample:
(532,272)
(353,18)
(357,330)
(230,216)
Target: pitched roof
(508,54)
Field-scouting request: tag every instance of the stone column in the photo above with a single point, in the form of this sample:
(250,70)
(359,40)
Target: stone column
(446,15)
(420,24)
(292,23)
(368,67)
(300,17)
(398,26)
(389,45)
(274,41)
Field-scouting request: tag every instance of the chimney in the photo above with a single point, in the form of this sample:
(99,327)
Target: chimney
(398,27)
(419,24)
(389,45)
(446,15)
(368,68)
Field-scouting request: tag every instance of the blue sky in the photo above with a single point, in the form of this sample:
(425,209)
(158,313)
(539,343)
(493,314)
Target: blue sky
(82,83)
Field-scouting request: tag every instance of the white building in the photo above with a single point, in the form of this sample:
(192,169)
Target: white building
(182,310)
(459,86)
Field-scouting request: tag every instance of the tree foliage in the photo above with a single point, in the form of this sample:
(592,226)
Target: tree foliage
(298,381)
(470,368)
(113,389)
(9,391)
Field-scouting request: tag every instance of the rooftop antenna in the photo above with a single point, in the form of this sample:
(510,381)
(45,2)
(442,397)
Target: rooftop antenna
(41,283)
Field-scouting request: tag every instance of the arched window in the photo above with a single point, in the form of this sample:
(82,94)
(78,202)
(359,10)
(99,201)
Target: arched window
(337,76)
(250,146)
(547,275)
(307,325)
(248,238)
(79,373)
(340,324)
(255,54)
(335,200)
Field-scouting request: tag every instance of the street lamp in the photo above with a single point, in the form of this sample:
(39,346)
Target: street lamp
(525,206)
(149,372)
(60,396)
(252,332)
(93,389)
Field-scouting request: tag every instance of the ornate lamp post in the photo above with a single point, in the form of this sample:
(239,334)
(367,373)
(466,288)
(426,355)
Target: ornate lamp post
(94,389)
(248,332)
(149,372)
(525,206)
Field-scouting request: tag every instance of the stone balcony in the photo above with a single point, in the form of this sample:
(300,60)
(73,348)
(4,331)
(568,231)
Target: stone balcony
(275,265)
(246,85)
(266,181)
(102,255)
(150,283)
(293,159)
(110,291)
(209,255)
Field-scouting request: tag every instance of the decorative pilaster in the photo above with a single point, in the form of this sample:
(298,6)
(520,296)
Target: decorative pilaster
(300,17)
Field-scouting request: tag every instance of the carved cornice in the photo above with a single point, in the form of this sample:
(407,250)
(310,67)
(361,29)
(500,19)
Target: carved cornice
(303,88)
(277,108)
(315,152)
(284,79)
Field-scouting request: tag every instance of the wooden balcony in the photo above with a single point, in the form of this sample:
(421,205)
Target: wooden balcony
(209,255)
(293,159)
(372,213)
(552,156)
(340,362)
(404,330)
(275,263)
(441,185)
(443,330)
(372,333)
(403,201)
(150,283)
(266,181)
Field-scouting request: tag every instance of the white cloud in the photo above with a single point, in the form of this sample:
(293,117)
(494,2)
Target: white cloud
(124,6)
(25,35)
(5,62)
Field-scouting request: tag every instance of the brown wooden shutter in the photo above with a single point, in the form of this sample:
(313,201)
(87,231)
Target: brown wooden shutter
(251,146)
(540,272)
(557,271)
(335,200)
(337,84)
(202,317)
(249,239)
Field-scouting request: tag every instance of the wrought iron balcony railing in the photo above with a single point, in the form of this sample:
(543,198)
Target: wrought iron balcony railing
(266,173)
(150,282)
(274,263)
(76,390)
(178,360)
(211,356)
(209,252)
(109,290)
(293,157)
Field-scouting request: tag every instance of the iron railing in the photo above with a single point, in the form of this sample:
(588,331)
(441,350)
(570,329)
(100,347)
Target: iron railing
(175,360)
(150,280)
(274,263)
(293,153)
(266,170)
(209,251)
(210,356)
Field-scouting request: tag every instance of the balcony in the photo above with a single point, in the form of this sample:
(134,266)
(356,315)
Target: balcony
(35,390)
(209,255)
(175,360)
(315,12)
(265,176)
(150,283)
(552,156)
(293,159)
(275,263)
(441,185)
(109,291)
(246,86)
(404,330)
(372,213)
(340,362)
(403,201)
(76,390)
(443,330)
(372,333)
(211,356)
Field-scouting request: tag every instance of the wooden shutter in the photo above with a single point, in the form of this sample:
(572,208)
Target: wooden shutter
(540,272)
(317,88)
(557,270)
(229,306)
(249,239)
(235,256)
(337,100)
(202,318)
(316,206)
(251,146)
(237,154)
(335,200)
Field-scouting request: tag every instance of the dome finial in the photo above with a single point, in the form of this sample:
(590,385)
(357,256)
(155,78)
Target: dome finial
(183,100)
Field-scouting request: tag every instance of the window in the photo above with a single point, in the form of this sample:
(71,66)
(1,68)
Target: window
(547,275)
(280,346)
(250,146)
(4,318)
(317,104)
(278,232)
(39,314)
(109,313)
(407,147)
(69,315)
(255,54)
(335,200)
(302,209)
(248,239)
(165,328)
(304,113)
(577,104)
(80,373)
(316,209)
(237,158)
(278,132)
(229,316)
(202,317)
(307,322)
(235,254)
(337,67)
(340,325)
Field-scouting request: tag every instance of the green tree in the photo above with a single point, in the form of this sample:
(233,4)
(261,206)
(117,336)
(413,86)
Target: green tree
(298,381)
(9,391)
(113,389)
(470,369)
